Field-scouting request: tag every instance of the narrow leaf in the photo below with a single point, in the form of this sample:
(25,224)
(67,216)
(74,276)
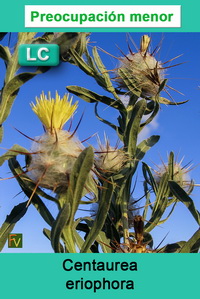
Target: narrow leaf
(160,204)
(133,126)
(58,227)
(104,73)
(165,101)
(154,113)
(102,212)
(104,242)
(92,97)
(12,152)
(81,63)
(185,199)
(172,248)
(191,242)
(11,89)
(145,145)
(78,178)
(104,120)
(5,53)
(149,177)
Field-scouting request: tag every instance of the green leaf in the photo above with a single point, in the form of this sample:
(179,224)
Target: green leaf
(145,145)
(154,113)
(162,85)
(79,241)
(187,247)
(195,248)
(1,133)
(16,214)
(165,101)
(11,89)
(185,199)
(147,202)
(104,73)
(13,82)
(47,233)
(90,68)
(172,248)
(12,152)
(78,179)
(162,192)
(150,107)
(171,166)
(5,53)
(81,63)
(42,210)
(160,204)
(169,214)
(104,242)
(66,41)
(104,120)
(149,177)
(92,97)
(58,227)
(133,126)
(104,205)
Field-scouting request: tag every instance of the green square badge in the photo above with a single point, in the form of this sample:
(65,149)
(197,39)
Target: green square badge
(38,55)
(15,240)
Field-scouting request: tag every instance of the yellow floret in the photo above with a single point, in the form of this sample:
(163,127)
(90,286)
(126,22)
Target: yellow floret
(54,113)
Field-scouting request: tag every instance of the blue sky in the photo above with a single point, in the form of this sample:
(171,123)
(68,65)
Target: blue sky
(178,126)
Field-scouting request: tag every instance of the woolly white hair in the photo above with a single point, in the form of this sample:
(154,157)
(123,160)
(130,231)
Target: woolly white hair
(53,158)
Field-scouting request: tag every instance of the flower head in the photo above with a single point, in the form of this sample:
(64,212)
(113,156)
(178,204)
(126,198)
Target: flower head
(110,159)
(143,69)
(55,158)
(180,174)
(54,113)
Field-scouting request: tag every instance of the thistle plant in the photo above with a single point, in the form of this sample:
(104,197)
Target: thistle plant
(60,168)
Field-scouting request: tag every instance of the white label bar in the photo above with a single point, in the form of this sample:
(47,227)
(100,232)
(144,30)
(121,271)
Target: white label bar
(102,16)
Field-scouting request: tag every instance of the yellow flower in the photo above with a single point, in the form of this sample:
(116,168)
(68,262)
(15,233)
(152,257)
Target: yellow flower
(54,113)
(144,43)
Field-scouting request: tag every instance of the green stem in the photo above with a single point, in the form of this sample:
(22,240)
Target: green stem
(125,223)
(124,197)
